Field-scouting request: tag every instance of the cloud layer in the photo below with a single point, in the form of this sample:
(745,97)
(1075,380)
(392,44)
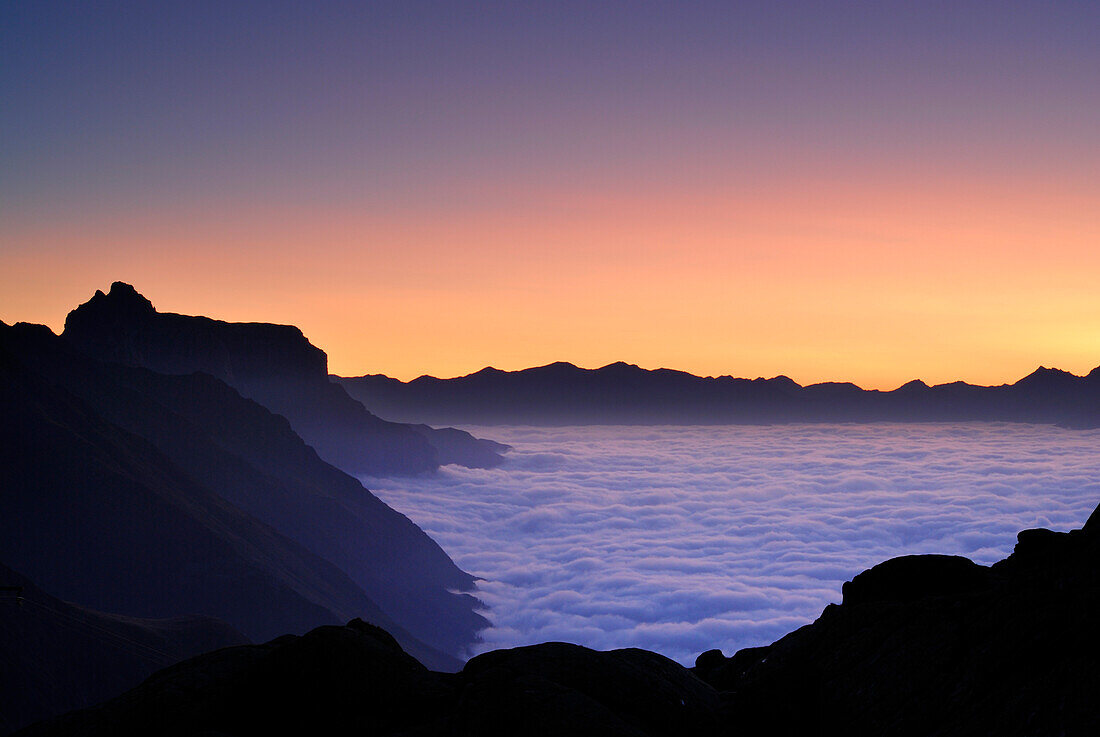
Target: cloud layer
(682,539)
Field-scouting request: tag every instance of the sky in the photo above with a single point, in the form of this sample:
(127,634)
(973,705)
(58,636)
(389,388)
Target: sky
(680,539)
(864,191)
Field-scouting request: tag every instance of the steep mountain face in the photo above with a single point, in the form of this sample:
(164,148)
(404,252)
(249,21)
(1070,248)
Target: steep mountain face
(276,366)
(56,657)
(313,503)
(563,394)
(921,645)
(155,495)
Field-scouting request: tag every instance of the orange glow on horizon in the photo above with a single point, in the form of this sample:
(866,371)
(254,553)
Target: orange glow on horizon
(866,194)
(822,281)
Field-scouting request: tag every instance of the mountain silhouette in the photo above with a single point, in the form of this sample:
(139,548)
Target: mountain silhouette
(919,645)
(151,495)
(276,366)
(620,393)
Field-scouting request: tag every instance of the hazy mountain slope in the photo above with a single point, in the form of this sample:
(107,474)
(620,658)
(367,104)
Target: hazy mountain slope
(921,645)
(274,365)
(56,657)
(104,517)
(562,394)
(393,560)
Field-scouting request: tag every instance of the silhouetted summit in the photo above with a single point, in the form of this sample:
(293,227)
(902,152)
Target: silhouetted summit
(124,327)
(123,300)
(1049,378)
(921,645)
(276,366)
(915,386)
(622,393)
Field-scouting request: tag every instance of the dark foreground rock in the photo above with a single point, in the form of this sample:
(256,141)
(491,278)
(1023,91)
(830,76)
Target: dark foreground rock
(56,656)
(936,645)
(357,680)
(921,645)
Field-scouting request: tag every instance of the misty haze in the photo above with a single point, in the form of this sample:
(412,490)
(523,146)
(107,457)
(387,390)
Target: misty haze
(679,539)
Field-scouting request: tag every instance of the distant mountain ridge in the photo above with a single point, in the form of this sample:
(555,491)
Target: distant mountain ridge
(279,368)
(620,393)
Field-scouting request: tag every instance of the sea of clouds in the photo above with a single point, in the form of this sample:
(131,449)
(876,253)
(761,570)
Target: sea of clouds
(683,539)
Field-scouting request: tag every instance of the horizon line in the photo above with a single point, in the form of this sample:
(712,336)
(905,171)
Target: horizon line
(627,364)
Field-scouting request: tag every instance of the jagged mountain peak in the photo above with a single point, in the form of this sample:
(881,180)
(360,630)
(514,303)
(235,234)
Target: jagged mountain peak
(1047,376)
(123,326)
(122,296)
(121,303)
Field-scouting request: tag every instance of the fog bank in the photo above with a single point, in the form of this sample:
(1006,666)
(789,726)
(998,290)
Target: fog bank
(681,539)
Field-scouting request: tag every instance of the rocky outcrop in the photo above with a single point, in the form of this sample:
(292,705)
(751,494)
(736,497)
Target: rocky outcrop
(276,366)
(935,645)
(915,577)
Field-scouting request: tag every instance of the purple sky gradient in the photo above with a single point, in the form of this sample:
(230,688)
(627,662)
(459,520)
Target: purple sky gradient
(394,100)
(864,191)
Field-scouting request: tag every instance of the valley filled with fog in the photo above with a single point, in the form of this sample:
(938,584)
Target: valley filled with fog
(681,539)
